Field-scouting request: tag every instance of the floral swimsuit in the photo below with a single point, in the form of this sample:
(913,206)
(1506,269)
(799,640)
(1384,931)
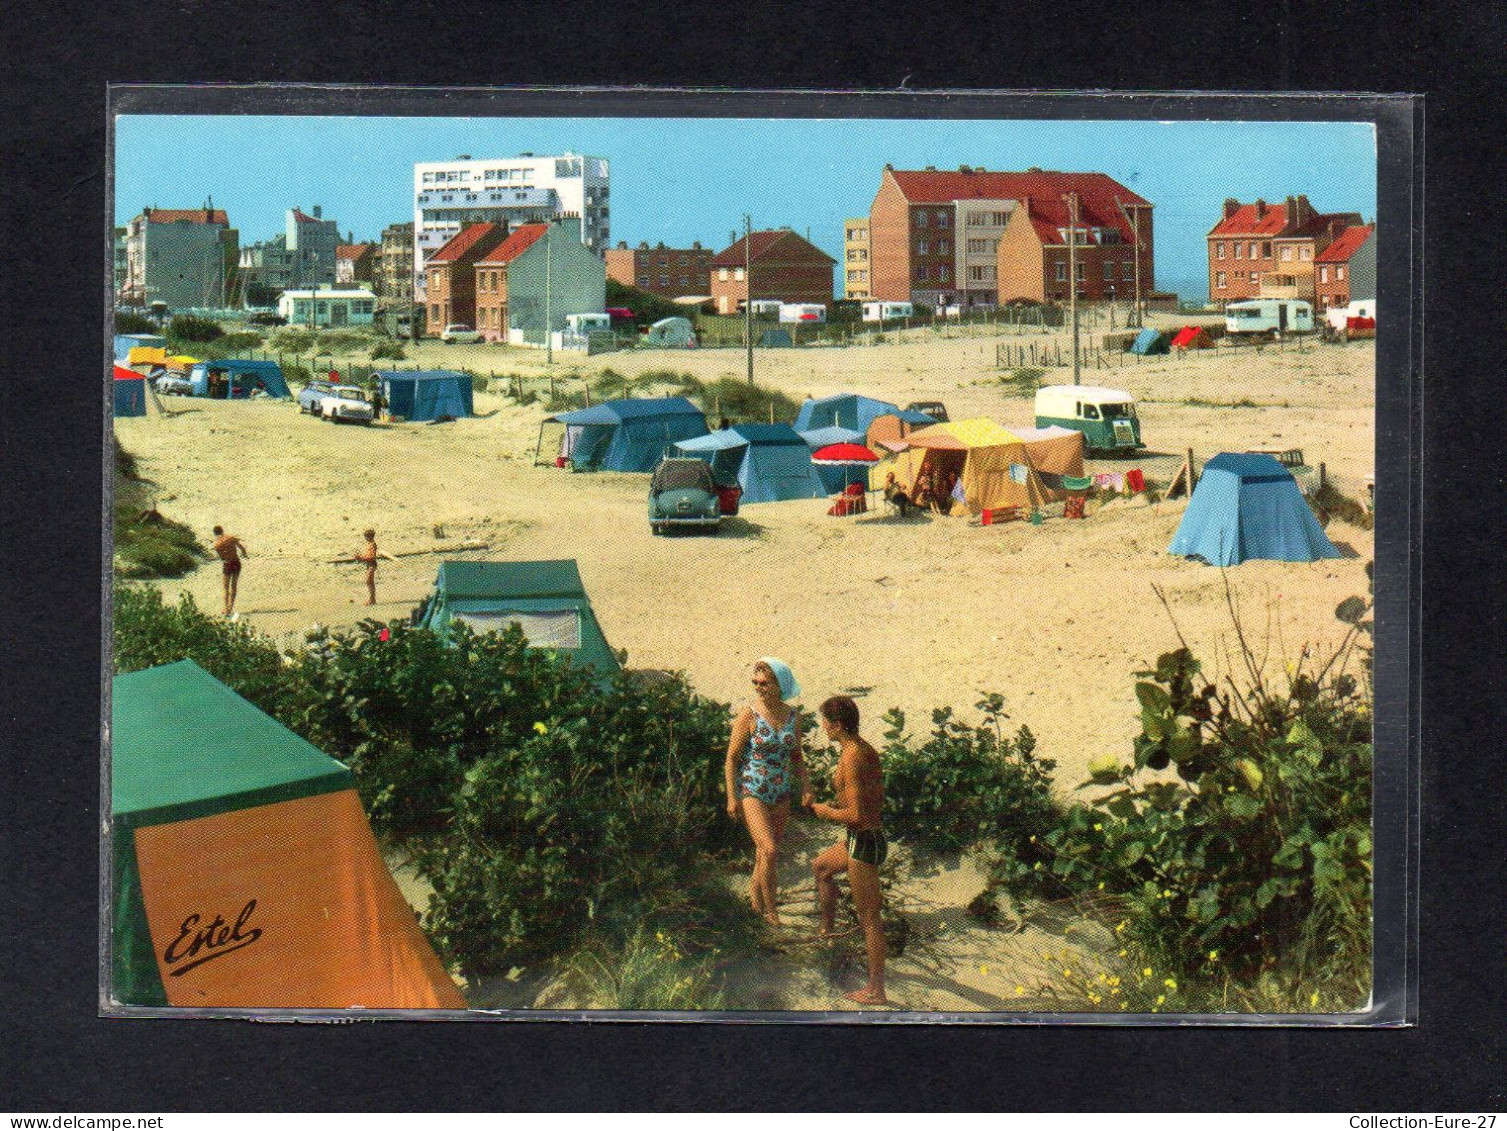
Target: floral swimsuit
(767,764)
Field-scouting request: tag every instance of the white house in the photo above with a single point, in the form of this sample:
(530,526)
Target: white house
(327,307)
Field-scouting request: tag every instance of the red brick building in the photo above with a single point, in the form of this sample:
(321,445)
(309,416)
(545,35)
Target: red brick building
(782,266)
(977,238)
(451,275)
(1346,269)
(492,281)
(672,272)
(1266,250)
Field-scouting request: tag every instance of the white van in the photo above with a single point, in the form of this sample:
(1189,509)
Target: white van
(1268,316)
(1339,316)
(586,323)
(887,311)
(1106,417)
(802,312)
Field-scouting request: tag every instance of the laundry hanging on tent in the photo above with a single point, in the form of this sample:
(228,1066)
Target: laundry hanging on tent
(1020,473)
(1135,480)
(1076,483)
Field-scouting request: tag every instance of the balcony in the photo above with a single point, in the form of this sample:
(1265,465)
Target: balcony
(1275,284)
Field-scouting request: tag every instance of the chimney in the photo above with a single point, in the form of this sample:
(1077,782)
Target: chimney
(888,168)
(1034,169)
(1232,206)
(622,245)
(695,245)
(1260,209)
(964,169)
(931,168)
(643,245)
(318,212)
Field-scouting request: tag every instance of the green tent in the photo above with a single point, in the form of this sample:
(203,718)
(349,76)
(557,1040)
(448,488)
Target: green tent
(545,599)
(244,873)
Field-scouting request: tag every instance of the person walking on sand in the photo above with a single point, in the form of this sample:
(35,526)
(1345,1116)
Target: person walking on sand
(368,556)
(858,783)
(230,550)
(763,766)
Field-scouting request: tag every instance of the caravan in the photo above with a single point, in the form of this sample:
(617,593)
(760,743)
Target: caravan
(1272,316)
(802,312)
(887,311)
(1106,417)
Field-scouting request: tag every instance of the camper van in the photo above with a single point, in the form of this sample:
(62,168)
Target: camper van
(766,307)
(887,311)
(802,312)
(1268,316)
(586,323)
(1106,417)
(1339,316)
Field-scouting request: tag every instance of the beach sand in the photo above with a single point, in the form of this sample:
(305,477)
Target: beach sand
(914,614)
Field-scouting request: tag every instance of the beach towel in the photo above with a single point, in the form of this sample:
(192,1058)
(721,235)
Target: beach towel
(1135,480)
(1020,473)
(1075,483)
(1104,480)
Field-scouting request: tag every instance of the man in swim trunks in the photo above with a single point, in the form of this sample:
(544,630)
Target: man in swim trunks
(858,783)
(230,550)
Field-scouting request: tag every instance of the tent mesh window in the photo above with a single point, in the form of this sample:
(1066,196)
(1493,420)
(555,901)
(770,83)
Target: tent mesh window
(560,629)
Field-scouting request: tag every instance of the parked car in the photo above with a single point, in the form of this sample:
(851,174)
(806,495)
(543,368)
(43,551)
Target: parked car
(173,384)
(456,332)
(312,395)
(267,318)
(934,409)
(682,493)
(346,403)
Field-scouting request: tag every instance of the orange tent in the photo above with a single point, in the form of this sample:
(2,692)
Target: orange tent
(1192,338)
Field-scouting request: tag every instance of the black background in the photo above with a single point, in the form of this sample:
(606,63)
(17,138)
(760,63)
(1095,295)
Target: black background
(59,1056)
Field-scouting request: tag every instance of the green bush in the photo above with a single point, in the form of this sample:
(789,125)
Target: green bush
(1327,502)
(239,341)
(737,400)
(963,786)
(188,328)
(1254,866)
(293,340)
(387,351)
(146,543)
(128,323)
(148,632)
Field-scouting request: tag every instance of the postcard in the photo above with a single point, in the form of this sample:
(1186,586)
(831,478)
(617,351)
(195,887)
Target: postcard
(660,556)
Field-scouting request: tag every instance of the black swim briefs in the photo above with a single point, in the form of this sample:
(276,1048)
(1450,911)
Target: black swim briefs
(867,846)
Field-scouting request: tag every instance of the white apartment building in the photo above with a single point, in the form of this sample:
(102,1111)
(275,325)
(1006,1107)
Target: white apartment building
(448,195)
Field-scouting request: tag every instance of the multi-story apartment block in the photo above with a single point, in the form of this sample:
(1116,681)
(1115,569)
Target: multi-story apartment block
(1346,270)
(355,263)
(302,255)
(395,265)
(447,195)
(450,295)
(181,257)
(855,258)
(948,238)
(672,272)
(121,264)
(1266,250)
(779,265)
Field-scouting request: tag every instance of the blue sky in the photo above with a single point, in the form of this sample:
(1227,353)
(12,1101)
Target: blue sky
(679,180)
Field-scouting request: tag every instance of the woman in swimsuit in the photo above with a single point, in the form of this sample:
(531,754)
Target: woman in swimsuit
(858,783)
(764,765)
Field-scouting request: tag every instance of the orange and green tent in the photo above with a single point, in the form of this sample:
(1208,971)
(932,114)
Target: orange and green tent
(994,464)
(244,872)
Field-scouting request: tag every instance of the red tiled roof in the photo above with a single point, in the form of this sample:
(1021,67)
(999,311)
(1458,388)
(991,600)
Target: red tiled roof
(462,242)
(196,215)
(1346,244)
(1243,222)
(351,250)
(1096,191)
(759,244)
(518,241)
(304,218)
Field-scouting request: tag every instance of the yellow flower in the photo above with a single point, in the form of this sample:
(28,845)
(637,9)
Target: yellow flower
(983,969)
(1067,972)
(1123,952)
(1095,998)
(1146,973)
(1114,991)
(540,728)
(1120,927)
(1170,983)
(1314,1000)
(1213,956)
(1101,885)
(1098,827)
(1161,999)
(1020,991)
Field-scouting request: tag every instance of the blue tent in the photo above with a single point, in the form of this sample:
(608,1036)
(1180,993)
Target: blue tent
(426,394)
(1249,506)
(769,461)
(1149,341)
(242,376)
(626,435)
(850,410)
(130,393)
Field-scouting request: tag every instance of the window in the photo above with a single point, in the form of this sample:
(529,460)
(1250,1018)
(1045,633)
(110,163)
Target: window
(921,274)
(1324,273)
(943,272)
(944,247)
(434,312)
(664,280)
(1219,279)
(738,274)
(942,220)
(920,219)
(1266,249)
(1079,273)
(1305,253)
(1109,272)
(1287,255)
(923,248)
(1062,272)
(1253,249)
(1239,250)
(721,274)
(1339,274)
(1127,270)
(1219,250)
(643,280)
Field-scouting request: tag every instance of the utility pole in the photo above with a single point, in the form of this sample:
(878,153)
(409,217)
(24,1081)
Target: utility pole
(748,291)
(549,342)
(1135,227)
(1072,273)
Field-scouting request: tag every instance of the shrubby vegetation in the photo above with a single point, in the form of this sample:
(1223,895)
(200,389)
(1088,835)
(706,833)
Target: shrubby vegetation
(147,543)
(128,323)
(190,328)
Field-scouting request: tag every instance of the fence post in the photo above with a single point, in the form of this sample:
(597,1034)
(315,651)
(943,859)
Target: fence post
(1323,475)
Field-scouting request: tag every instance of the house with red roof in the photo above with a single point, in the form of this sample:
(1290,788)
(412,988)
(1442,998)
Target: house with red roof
(450,275)
(181,257)
(772,264)
(975,237)
(355,263)
(492,281)
(539,275)
(1345,271)
(1263,250)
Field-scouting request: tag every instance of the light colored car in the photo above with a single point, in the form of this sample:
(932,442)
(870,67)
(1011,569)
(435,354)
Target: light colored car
(457,332)
(173,384)
(346,403)
(311,396)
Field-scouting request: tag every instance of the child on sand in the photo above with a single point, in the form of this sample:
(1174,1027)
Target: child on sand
(858,783)
(230,550)
(368,556)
